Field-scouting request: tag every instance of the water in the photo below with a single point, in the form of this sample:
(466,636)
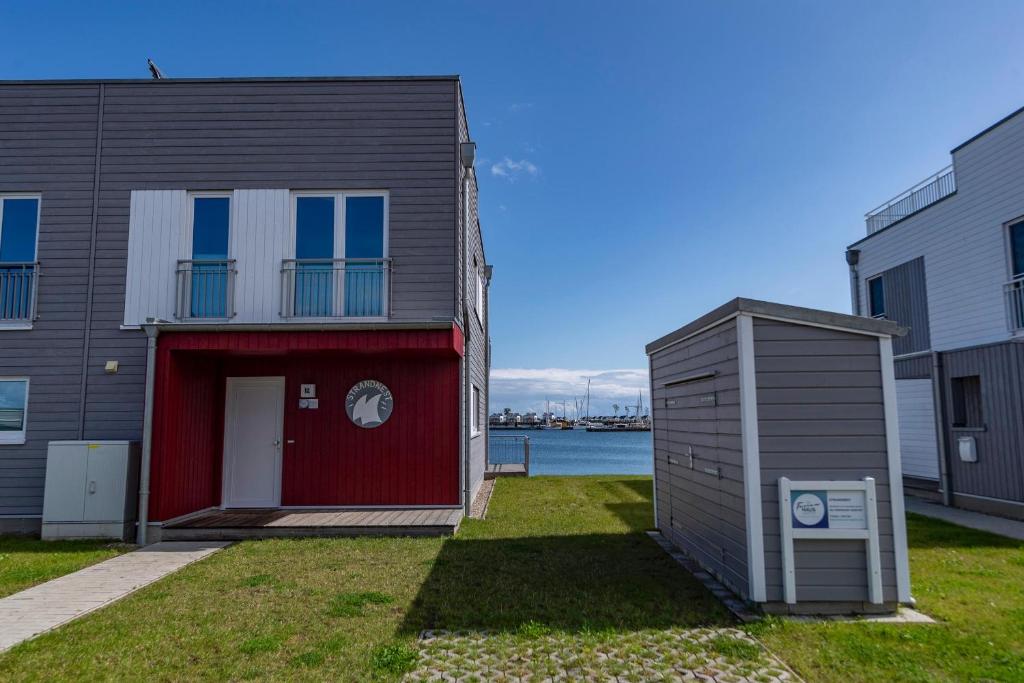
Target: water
(554,451)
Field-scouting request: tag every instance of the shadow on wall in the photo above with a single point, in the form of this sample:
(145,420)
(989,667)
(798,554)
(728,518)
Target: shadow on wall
(563,583)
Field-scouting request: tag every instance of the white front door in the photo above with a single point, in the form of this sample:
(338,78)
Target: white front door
(253,423)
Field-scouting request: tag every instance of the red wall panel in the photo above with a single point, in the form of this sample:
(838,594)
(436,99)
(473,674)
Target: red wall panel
(412,459)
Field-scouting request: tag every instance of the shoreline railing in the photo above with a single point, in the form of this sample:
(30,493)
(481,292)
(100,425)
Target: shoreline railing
(928,191)
(509,449)
(336,288)
(18,285)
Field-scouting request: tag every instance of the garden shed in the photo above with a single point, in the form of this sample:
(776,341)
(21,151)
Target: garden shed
(776,455)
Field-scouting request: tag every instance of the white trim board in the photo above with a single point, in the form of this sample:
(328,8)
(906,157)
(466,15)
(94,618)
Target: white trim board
(892,442)
(751,458)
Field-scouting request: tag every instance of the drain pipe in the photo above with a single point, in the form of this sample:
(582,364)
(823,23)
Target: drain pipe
(147,433)
(852,259)
(467,155)
(945,467)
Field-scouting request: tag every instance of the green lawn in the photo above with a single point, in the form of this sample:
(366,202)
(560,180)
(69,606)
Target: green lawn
(970,581)
(24,562)
(556,556)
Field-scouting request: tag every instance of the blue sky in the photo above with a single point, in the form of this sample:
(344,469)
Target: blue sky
(641,162)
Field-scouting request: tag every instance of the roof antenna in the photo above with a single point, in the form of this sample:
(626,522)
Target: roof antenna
(155,70)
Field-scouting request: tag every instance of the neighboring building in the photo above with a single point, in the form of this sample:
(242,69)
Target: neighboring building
(946,259)
(287,275)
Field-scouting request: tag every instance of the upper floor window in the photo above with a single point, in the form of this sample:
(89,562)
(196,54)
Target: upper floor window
(209,272)
(480,296)
(340,263)
(13,409)
(475,411)
(1017,249)
(876,297)
(19,235)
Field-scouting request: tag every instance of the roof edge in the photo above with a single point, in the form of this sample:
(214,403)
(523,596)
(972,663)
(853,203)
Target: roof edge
(768,309)
(986,131)
(228,79)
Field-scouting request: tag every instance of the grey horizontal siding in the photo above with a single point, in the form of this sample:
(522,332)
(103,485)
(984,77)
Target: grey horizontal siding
(821,416)
(53,155)
(701,509)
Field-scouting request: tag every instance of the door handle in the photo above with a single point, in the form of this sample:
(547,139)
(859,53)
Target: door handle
(92,486)
(277,442)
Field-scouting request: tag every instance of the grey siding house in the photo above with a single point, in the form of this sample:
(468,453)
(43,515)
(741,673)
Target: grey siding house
(183,260)
(755,393)
(946,259)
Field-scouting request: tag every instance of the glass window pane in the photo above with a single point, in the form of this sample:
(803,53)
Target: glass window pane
(12,405)
(364,227)
(877,297)
(210,218)
(18,230)
(314,227)
(1017,247)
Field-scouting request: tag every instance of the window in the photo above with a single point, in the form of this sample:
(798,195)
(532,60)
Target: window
(1017,249)
(19,231)
(340,270)
(475,411)
(967,413)
(876,298)
(13,410)
(209,272)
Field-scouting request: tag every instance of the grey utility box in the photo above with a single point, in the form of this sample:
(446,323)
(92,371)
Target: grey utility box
(776,456)
(91,489)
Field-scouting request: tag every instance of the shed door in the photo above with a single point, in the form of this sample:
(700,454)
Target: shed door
(918,448)
(253,425)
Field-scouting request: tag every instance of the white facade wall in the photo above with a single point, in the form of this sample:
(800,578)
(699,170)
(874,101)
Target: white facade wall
(963,241)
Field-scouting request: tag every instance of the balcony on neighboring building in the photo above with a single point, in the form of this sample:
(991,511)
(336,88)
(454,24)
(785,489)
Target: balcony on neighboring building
(18,293)
(336,288)
(205,289)
(925,193)
(1013,294)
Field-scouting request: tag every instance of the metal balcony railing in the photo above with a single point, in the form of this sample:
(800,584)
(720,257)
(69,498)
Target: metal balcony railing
(18,284)
(336,288)
(206,289)
(928,191)
(1013,295)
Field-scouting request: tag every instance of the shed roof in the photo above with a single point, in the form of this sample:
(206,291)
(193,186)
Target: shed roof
(794,314)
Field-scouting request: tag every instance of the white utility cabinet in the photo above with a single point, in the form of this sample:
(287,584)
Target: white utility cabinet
(91,489)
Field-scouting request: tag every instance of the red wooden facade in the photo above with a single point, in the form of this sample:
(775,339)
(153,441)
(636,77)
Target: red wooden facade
(412,459)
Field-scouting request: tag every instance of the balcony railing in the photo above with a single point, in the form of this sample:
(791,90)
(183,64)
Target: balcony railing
(18,283)
(1013,295)
(336,288)
(928,191)
(206,289)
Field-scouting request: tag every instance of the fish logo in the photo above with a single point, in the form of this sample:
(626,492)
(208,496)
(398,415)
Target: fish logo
(369,404)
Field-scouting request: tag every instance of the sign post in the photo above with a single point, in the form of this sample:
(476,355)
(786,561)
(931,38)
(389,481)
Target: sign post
(829,510)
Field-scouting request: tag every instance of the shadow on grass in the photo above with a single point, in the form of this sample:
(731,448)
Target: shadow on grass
(563,583)
(925,532)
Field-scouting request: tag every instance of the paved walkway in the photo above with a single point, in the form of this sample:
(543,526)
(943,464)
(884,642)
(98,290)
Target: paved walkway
(44,607)
(972,520)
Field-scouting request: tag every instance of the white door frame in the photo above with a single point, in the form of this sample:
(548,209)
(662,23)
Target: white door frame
(228,459)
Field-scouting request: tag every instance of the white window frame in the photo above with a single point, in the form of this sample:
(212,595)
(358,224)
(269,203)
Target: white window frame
(339,197)
(21,324)
(480,297)
(474,404)
(17,438)
(190,225)
(867,287)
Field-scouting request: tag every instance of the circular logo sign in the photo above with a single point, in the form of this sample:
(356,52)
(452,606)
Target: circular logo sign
(808,509)
(369,403)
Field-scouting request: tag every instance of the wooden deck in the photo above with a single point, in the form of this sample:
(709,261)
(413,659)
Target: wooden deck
(233,525)
(508,470)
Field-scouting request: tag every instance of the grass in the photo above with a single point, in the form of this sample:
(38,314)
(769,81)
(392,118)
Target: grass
(25,562)
(558,560)
(556,555)
(970,581)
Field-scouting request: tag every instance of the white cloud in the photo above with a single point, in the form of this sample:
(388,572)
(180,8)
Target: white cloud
(510,169)
(528,388)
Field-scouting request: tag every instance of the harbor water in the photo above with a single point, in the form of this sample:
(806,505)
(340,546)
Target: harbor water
(576,451)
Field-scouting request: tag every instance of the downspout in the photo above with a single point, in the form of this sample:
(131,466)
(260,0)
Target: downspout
(852,259)
(467,155)
(90,285)
(945,467)
(147,433)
